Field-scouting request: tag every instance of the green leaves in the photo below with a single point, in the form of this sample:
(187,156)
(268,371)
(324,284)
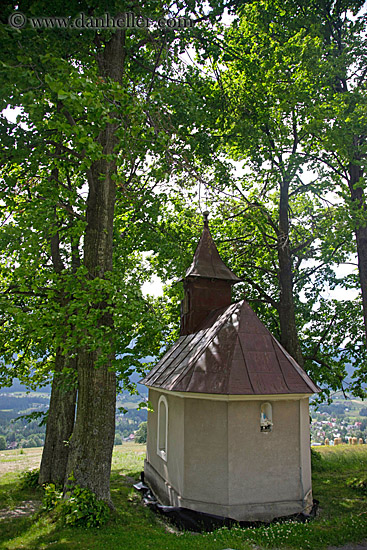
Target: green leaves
(83,509)
(263,90)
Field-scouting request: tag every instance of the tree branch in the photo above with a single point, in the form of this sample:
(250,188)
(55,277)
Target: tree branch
(268,298)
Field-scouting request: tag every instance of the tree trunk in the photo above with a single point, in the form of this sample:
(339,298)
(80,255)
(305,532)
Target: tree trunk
(355,171)
(93,436)
(359,202)
(59,426)
(61,412)
(287,317)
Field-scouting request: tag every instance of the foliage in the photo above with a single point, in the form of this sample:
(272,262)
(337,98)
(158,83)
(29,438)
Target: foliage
(252,100)
(118,439)
(2,443)
(359,483)
(141,434)
(80,192)
(30,478)
(65,110)
(316,461)
(83,509)
(52,496)
(94,117)
(267,95)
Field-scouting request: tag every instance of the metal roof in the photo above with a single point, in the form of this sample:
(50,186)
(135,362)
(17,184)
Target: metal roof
(206,262)
(232,354)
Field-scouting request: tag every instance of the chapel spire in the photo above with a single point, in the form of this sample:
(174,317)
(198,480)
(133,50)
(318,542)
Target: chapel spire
(207,283)
(206,262)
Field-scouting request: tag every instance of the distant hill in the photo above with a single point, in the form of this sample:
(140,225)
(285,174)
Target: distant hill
(18,387)
(19,400)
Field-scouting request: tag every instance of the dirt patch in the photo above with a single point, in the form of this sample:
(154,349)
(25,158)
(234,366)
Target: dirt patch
(26,508)
(14,461)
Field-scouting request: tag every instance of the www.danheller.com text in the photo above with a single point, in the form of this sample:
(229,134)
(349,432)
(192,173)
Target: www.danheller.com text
(130,20)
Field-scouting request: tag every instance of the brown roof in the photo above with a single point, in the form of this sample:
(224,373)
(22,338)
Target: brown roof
(232,354)
(206,262)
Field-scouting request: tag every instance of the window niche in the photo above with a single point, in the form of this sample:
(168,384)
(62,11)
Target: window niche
(162,427)
(266,418)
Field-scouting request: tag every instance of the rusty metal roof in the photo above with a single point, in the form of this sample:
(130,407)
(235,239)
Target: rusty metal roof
(207,262)
(232,354)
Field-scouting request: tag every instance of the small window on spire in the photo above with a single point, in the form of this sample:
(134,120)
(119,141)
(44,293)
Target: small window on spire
(266,418)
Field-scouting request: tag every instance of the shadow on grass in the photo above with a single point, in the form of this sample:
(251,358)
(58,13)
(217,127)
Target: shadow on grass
(23,532)
(14,493)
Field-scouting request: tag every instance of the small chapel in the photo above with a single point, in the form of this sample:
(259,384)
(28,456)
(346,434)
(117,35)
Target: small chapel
(228,434)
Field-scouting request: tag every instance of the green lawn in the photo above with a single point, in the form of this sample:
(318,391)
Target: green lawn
(342,517)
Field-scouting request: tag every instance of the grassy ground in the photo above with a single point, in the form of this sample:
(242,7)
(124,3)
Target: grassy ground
(342,517)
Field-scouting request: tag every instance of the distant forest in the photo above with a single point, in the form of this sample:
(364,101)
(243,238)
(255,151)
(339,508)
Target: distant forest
(30,432)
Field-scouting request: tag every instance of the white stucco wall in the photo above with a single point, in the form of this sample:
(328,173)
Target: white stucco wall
(219,462)
(305,454)
(264,466)
(170,471)
(206,451)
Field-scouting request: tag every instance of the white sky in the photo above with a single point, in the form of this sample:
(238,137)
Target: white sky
(11,114)
(153,288)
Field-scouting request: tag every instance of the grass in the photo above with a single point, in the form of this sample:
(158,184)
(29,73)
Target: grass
(342,517)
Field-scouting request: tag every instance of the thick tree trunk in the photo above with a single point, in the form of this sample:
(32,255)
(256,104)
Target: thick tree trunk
(93,437)
(287,317)
(59,426)
(359,201)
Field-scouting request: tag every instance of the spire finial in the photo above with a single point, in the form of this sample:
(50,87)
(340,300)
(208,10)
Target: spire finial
(206,222)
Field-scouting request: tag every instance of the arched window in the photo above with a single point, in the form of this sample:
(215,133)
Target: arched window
(266,417)
(162,427)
